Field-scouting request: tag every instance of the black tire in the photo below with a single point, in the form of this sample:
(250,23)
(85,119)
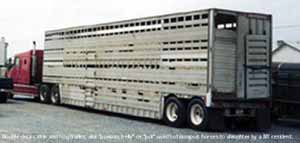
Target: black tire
(44,93)
(174,112)
(197,115)
(55,95)
(3,97)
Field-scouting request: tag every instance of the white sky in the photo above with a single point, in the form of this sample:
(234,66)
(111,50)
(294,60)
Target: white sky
(23,21)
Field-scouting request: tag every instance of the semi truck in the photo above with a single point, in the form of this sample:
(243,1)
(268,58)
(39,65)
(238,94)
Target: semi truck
(191,68)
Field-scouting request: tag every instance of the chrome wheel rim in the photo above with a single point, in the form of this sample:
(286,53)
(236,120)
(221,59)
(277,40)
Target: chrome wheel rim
(172,112)
(197,114)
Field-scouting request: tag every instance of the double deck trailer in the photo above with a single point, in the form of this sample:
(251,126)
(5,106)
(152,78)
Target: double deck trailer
(194,67)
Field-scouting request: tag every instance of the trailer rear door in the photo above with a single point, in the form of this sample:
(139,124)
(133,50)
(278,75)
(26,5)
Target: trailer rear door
(257,66)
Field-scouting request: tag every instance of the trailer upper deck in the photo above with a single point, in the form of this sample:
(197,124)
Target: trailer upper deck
(85,28)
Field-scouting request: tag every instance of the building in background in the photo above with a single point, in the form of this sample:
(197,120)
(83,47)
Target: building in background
(3,56)
(3,52)
(287,52)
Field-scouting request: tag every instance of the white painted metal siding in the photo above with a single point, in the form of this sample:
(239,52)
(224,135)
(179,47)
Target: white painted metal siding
(287,55)
(225,61)
(127,67)
(130,66)
(251,50)
(3,52)
(258,63)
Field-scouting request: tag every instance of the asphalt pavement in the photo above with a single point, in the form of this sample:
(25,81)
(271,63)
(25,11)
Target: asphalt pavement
(26,121)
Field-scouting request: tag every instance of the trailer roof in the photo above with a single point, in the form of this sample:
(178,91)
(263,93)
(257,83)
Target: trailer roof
(153,17)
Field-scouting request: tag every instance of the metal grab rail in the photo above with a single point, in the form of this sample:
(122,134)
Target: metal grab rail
(256,67)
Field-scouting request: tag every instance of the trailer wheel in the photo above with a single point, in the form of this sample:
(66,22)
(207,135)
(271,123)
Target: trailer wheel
(174,112)
(55,96)
(197,115)
(44,93)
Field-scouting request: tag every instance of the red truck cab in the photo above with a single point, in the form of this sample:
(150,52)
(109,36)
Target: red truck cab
(27,72)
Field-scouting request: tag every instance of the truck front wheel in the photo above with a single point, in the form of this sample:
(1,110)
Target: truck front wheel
(44,93)
(55,96)
(197,115)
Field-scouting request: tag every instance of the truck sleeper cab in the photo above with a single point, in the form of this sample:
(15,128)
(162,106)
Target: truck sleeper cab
(26,73)
(194,67)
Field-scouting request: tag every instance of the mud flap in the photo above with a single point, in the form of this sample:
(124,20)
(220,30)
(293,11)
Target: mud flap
(263,119)
(216,120)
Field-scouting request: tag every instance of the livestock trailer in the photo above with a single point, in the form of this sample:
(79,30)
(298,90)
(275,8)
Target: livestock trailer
(194,67)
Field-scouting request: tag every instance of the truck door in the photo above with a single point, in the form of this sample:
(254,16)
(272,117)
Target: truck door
(14,71)
(257,59)
(23,70)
